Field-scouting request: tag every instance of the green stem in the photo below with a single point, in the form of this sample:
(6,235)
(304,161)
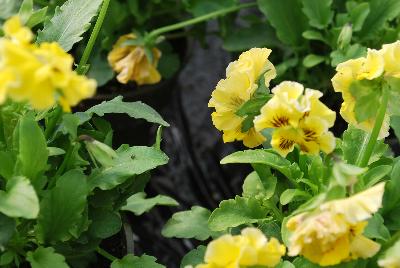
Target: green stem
(380,116)
(199,19)
(92,40)
(105,254)
(53,122)
(275,210)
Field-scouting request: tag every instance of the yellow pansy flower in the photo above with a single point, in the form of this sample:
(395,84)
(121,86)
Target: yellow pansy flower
(250,248)
(297,119)
(391,56)
(242,80)
(132,64)
(41,75)
(333,232)
(391,258)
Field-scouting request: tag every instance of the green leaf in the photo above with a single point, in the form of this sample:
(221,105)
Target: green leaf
(381,11)
(168,64)
(46,258)
(19,199)
(129,162)
(287,19)
(391,195)
(319,12)
(253,106)
(130,261)
(202,7)
(100,70)
(69,23)
(376,228)
(61,208)
(375,175)
(136,109)
(358,14)
(36,17)
(139,204)
(253,186)
(271,229)
(314,35)
(352,52)
(104,223)
(7,163)
(235,212)
(194,257)
(346,174)
(25,10)
(7,229)
(32,156)
(312,60)
(290,195)
(189,224)
(260,156)
(367,95)
(9,8)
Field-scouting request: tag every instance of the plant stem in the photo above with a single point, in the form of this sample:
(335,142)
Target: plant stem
(275,210)
(92,40)
(53,122)
(199,19)
(105,254)
(380,116)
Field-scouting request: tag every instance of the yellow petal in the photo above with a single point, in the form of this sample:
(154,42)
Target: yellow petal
(283,140)
(373,66)
(362,247)
(223,251)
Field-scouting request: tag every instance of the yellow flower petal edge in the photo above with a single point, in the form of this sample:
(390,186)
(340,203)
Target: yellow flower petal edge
(132,64)
(250,248)
(42,74)
(297,119)
(242,78)
(333,233)
(391,258)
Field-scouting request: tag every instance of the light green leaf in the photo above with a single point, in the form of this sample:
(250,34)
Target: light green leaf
(130,261)
(9,8)
(314,35)
(319,12)
(395,124)
(376,228)
(367,95)
(25,10)
(194,257)
(69,23)
(139,204)
(381,11)
(189,224)
(54,151)
(61,208)
(136,109)
(46,258)
(352,52)
(260,156)
(235,212)
(7,229)
(285,264)
(312,60)
(129,162)
(253,186)
(36,17)
(32,148)
(19,199)
(358,15)
(287,19)
(290,195)
(375,175)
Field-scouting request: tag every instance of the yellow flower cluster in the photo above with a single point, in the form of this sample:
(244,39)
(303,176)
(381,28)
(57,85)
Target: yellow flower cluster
(132,64)
(39,74)
(297,118)
(242,78)
(377,64)
(333,232)
(392,257)
(249,249)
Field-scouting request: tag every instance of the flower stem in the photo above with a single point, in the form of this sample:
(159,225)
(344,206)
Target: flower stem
(199,19)
(105,254)
(380,116)
(81,69)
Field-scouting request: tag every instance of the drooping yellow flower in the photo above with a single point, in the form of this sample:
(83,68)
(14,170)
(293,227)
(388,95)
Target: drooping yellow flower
(297,118)
(132,64)
(243,76)
(251,248)
(391,258)
(333,233)
(41,75)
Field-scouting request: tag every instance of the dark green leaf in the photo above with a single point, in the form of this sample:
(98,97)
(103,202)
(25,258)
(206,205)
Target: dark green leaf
(7,228)
(189,224)
(319,12)
(271,229)
(168,65)
(194,257)
(7,163)
(290,195)
(202,7)
(376,228)
(391,196)
(139,204)
(100,70)
(133,109)
(105,223)
(312,60)
(287,19)
(46,258)
(358,15)
(69,23)
(253,106)
(61,208)
(235,212)
(130,261)
(314,35)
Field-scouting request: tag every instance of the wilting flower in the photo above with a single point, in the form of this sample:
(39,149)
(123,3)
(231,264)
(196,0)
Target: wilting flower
(297,118)
(333,233)
(132,64)
(251,248)
(377,66)
(391,258)
(39,74)
(242,78)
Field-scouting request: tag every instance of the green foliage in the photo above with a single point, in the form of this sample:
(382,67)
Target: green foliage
(130,261)
(194,257)
(46,258)
(69,23)
(189,224)
(318,12)
(7,227)
(139,204)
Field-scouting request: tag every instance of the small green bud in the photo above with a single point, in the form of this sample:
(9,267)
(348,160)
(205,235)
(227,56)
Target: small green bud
(103,153)
(345,35)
